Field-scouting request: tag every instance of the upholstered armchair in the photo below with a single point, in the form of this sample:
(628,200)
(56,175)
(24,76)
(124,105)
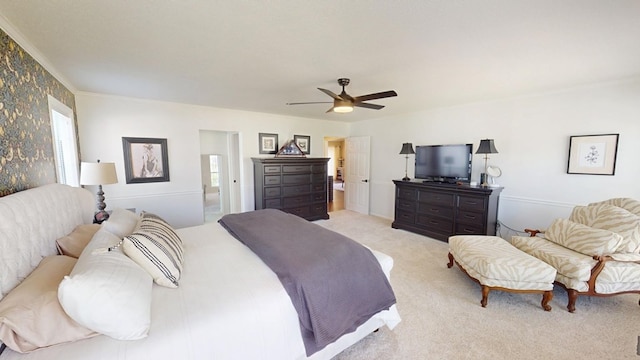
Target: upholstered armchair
(596,252)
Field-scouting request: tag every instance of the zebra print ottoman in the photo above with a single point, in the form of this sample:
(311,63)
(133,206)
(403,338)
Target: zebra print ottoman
(497,265)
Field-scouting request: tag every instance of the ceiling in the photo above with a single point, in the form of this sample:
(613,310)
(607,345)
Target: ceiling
(259,55)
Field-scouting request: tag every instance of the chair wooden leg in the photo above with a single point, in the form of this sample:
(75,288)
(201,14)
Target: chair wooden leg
(573,296)
(485,296)
(546,297)
(450,264)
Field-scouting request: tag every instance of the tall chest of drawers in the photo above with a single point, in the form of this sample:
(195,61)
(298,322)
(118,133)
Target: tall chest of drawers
(294,185)
(439,211)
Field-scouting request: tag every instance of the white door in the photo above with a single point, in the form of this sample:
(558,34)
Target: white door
(356,176)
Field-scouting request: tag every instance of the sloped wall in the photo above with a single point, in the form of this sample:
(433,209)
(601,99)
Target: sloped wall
(26,149)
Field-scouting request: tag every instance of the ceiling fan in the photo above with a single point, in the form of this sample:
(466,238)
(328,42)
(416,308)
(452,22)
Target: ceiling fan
(344,102)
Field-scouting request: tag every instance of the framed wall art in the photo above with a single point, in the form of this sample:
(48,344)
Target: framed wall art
(303,142)
(268,143)
(145,160)
(593,154)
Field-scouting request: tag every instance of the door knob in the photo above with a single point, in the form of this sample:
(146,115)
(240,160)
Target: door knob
(365,180)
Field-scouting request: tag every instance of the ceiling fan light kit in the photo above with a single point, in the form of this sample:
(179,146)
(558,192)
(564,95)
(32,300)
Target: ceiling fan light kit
(344,102)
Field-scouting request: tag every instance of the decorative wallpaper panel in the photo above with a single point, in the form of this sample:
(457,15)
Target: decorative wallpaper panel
(26,148)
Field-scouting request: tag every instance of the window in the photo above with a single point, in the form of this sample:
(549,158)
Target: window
(65,147)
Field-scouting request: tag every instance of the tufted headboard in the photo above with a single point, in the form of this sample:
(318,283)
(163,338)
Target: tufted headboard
(30,223)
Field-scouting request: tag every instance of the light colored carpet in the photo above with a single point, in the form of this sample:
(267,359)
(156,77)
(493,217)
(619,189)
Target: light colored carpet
(442,317)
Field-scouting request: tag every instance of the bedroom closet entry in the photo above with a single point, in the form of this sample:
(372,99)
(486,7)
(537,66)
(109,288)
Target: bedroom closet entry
(219,168)
(348,169)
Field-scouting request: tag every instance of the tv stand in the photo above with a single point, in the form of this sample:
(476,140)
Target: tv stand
(439,210)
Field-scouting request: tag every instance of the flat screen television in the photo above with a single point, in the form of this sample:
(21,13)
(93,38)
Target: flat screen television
(444,163)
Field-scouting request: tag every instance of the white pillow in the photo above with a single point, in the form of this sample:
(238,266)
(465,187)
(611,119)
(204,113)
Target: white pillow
(156,247)
(121,222)
(107,292)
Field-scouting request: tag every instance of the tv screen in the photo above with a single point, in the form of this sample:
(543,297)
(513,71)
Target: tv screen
(444,162)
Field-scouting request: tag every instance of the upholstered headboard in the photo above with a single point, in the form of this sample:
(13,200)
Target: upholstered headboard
(30,223)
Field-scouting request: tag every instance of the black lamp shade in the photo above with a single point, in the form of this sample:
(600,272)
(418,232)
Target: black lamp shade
(486,147)
(407,148)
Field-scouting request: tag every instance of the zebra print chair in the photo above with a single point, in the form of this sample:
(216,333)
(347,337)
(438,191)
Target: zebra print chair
(596,252)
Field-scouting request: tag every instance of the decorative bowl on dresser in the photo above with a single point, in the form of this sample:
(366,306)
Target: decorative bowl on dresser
(441,210)
(295,185)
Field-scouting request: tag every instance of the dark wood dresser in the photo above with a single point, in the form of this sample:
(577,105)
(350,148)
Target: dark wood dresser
(295,185)
(442,210)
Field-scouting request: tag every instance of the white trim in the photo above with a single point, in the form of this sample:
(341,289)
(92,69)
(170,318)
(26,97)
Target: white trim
(537,201)
(22,41)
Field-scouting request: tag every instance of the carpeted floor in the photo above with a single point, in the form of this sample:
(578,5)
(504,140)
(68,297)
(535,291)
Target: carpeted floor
(442,317)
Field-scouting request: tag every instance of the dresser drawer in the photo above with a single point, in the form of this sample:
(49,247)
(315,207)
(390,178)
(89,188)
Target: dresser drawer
(471,218)
(406,217)
(272,203)
(435,210)
(468,229)
(319,187)
(319,168)
(438,198)
(471,203)
(437,224)
(296,168)
(406,205)
(272,179)
(302,211)
(296,179)
(318,178)
(296,201)
(271,192)
(319,209)
(318,197)
(295,190)
(272,169)
(405,193)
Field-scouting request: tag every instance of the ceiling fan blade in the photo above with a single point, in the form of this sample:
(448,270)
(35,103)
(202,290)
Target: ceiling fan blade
(331,93)
(346,96)
(330,110)
(312,102)
(368,106)
(380,95)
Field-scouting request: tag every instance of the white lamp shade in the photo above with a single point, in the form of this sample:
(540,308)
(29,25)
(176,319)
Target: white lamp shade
(98,173)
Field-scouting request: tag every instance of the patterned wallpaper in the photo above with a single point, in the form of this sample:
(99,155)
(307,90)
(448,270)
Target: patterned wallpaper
(26,149)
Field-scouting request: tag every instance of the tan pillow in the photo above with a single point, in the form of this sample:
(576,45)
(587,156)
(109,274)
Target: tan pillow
(31,316)
(612,218)
(582,238)
(73,244)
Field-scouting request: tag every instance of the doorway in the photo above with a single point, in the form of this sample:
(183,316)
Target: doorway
(219,169)
(335,151)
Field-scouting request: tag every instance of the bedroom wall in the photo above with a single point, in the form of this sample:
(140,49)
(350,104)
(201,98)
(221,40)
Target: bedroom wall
(26,150)
(532,136)
(103,120)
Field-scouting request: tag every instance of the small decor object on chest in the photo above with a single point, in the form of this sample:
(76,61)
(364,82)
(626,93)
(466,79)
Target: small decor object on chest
(290,148)
(303,142)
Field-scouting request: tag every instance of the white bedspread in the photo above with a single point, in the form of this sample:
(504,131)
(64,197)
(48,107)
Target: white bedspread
(229,305)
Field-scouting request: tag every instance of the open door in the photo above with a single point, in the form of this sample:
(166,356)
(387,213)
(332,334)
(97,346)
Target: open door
(357,168)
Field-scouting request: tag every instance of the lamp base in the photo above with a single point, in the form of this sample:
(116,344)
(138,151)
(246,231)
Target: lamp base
(100,217)
(406,178)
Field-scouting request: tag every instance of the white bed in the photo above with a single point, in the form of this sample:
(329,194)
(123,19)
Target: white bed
(229,305)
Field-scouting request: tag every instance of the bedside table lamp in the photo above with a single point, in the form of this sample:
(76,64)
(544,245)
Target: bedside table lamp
(407,148)
(486,147)
(98,174)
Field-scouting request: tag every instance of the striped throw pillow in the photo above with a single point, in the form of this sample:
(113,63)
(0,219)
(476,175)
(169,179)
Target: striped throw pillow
(582,238)
(156,247)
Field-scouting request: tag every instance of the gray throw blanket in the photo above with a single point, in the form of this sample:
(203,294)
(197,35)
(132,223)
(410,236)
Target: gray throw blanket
(335,284)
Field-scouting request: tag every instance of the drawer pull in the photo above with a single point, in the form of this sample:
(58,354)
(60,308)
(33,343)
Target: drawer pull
(469,216)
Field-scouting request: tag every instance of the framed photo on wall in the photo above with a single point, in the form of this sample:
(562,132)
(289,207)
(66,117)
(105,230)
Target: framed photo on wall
(145,160)
(303,142)
(593,154)
(268,143)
